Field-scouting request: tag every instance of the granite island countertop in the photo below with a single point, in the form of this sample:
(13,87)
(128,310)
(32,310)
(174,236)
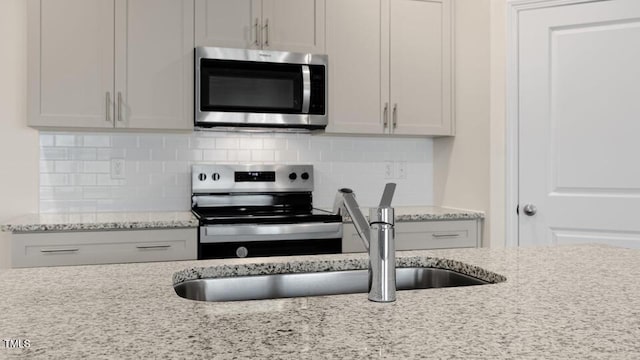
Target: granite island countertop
(568,302)
(96,221)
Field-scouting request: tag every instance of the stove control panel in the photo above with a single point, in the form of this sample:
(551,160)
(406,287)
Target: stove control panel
(211,178)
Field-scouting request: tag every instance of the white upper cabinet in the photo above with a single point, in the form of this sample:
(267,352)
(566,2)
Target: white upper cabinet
(111,64)
(154,64)
(355,67)
(286,25)
(70,69)
(390,71)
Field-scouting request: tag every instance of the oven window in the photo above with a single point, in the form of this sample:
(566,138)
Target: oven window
(245,86)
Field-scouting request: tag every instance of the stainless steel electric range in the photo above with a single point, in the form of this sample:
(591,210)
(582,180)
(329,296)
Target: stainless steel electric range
(260,210)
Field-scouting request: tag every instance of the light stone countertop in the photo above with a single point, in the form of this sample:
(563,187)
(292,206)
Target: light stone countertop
(184,219)
(568,302)
(100,221)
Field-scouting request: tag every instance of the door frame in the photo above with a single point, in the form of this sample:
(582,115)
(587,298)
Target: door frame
(512,156)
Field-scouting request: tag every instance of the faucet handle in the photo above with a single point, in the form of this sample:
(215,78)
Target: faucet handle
(387,195)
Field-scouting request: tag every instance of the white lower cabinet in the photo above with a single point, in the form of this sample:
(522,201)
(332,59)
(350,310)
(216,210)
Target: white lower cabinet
(102,247)
(423,235)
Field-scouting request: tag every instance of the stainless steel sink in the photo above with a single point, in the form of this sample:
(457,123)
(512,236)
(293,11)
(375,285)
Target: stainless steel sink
(314,284)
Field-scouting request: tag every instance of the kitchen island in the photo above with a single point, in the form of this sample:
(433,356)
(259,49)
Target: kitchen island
(563,302)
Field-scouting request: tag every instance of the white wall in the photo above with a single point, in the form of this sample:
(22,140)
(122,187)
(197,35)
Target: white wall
(75,167)
(18,143)
(462,163)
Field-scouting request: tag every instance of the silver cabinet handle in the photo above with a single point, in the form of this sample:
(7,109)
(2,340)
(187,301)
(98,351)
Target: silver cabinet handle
(257,34)
(67,250)
(449,235)
(108,106)
(119,106)
(385,116)
(266,28)
(153,246)
(395,116)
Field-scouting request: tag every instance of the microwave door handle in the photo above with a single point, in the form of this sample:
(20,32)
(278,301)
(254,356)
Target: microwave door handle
(306,88)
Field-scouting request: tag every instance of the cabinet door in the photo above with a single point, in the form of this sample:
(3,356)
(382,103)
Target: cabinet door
(357,67)
(293,25)
(420,67)
(228,23)
(154,64)
(70,76)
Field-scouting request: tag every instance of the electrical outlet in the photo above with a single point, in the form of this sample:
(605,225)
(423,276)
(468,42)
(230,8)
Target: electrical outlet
(117,168)
(401,169)
(389,172)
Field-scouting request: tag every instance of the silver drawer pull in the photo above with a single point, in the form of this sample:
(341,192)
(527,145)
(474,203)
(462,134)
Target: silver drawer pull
(450,235)
(59,250)
(153,246)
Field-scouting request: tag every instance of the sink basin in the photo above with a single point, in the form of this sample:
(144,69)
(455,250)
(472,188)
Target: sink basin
(314,284)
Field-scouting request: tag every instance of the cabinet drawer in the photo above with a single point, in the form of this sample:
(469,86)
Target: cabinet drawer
(423,235)
(102,247)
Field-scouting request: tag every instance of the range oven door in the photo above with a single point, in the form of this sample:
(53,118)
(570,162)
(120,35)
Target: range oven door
(255,240)
(239,88)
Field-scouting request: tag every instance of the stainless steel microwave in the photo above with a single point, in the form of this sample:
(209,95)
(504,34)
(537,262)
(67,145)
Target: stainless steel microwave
(242,88)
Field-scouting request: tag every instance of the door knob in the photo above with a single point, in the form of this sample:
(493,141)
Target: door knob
(529,209)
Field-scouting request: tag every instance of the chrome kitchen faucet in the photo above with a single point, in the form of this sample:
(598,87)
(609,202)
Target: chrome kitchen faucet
(378,236)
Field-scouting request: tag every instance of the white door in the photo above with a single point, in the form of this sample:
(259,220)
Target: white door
(579,123)
(293,25)
(228,23)
(71,63)
(154,64)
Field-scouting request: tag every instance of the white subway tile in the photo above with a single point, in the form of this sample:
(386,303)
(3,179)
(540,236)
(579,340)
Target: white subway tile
(67,140)
(48,179)
(285,156)
(53,154)
(46,193)
(47,140)
(175,141)
(138,154)
(250,143)
(67,193)
(189,155)
(62,166)
(84,179)
(214,155)
(227,143)
(262,155)
(96,167)
(239,155)
(148,167)
(151,141)
(82,154)
(47,166)
(162,179)
(204,143)
(97,140)
(298,144)
(274,144)
(176,167)
(106,180)
(108,154)
(97,192)
(164,154)
(124,141)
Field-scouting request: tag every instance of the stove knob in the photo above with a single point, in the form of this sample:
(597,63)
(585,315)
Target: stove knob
(242,252)
(305,176)
(293,176)
(202,177)
(215,176)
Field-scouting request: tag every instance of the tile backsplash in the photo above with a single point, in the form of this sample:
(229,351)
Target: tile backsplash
(77,173)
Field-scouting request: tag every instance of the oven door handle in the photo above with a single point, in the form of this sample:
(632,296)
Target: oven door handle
(269,232)
(306,89)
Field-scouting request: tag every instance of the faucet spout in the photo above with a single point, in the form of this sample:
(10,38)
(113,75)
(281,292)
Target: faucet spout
(378,236)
